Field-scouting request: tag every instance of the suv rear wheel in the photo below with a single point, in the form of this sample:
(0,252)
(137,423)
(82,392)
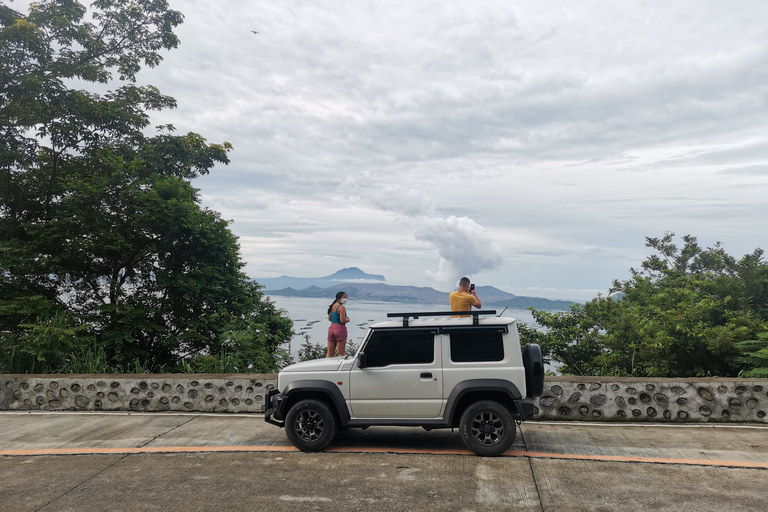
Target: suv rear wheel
(487,428)
(310,425)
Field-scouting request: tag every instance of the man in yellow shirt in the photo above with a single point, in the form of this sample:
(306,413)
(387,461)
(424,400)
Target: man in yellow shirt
(464,298)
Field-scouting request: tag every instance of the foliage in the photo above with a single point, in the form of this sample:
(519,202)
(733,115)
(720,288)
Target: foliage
(91,360)
(574,338)
(94,360)
(102,237)
(283,356)
(309,351)
(248,346)
(351,348)
(46,338)
(205,363)
(14,360)
(755,356)
(683,314)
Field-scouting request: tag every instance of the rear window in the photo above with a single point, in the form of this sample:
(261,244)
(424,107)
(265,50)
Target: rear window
(473,347)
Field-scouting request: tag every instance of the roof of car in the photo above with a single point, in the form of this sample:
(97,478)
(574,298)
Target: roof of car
(444,319)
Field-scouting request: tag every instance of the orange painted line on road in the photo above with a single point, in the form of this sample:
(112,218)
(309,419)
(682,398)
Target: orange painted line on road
(649,460)
(537,455)
(146,449)
(543,455)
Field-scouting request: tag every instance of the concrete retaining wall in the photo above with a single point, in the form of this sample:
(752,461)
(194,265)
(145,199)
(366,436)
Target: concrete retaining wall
(149,392)
(660,400)
(564,398)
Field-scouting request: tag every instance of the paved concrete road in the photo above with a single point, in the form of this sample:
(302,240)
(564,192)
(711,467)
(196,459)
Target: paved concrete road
(95,462)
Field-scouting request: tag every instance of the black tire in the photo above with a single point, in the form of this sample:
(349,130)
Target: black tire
(487,428)
(534,370)
(310,425)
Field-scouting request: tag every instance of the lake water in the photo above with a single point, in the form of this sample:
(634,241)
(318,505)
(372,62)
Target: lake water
(309,317)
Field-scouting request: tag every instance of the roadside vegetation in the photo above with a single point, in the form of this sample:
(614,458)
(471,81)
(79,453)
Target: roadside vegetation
(309,350)
(687,312)
(108,260)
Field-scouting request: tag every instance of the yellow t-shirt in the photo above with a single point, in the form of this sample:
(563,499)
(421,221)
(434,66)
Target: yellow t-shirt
(462,301)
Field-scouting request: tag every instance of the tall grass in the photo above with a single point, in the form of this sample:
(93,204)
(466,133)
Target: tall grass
(94,360)
(91,360)
(224,363)
(14,360)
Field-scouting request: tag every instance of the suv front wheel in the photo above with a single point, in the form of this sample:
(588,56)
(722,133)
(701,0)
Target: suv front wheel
(310,425)
(487,428)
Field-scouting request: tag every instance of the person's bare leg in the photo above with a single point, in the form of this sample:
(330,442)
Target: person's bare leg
(331,348)
(342,346)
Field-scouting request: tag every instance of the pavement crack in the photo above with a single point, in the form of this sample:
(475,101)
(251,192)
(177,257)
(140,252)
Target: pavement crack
(533,472)
(81,483)
(167,432)
(113,464)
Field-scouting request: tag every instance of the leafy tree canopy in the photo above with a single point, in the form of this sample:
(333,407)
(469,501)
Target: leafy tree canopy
(686,312)
(103,239)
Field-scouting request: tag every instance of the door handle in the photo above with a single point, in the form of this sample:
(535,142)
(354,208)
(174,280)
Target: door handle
(426,375)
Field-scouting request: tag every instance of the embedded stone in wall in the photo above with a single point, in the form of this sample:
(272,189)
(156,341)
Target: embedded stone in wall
(598,399)
(672,400)
(547,401)
(175,392)
(564,398)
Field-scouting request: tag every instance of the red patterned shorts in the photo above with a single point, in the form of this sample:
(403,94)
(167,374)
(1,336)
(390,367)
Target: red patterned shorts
(337,332)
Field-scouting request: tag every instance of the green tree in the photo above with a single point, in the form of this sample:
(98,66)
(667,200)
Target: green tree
(755,356)
(575,338)
(682,314)
(102,236)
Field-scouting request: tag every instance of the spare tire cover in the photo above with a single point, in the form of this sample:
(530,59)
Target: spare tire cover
(534,370)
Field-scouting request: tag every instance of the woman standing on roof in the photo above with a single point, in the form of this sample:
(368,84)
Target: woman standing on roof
(337,332)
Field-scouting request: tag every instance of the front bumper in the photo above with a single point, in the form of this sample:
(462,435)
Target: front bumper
(273,408)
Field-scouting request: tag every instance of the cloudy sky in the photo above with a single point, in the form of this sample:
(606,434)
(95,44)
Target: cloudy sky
(531,145)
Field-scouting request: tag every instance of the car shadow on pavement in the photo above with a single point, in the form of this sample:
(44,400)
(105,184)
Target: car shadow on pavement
(406,439)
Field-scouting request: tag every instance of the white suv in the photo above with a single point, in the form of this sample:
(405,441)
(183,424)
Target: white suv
(423,369)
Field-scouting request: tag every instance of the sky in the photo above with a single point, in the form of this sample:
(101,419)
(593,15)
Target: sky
(529,145)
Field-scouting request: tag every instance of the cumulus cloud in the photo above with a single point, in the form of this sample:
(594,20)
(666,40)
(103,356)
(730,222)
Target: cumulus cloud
(464,247)
(390,197)
(540,128)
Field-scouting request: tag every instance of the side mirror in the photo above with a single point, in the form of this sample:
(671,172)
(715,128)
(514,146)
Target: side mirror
(362,361)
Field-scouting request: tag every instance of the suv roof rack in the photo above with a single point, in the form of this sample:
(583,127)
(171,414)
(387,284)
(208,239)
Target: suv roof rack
(474,314)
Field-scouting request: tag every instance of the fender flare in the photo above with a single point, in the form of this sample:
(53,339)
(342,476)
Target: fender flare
(324,387)
(473,385)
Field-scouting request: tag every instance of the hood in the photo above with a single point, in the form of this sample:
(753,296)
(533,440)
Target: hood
(316,365)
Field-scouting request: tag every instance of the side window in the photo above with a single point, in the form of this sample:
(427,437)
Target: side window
(399,347)
(471,347)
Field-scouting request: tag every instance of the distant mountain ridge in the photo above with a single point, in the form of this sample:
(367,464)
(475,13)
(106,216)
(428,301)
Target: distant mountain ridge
(344,275)
(357,289)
